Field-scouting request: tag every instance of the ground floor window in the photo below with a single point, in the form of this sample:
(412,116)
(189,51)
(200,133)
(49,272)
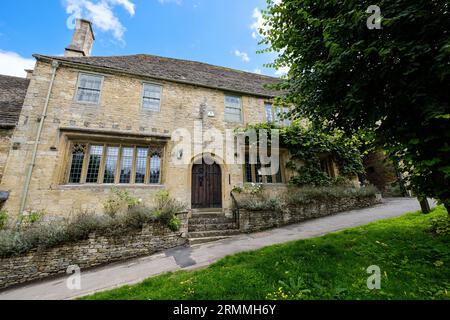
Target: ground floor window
(114,164)
(253,172)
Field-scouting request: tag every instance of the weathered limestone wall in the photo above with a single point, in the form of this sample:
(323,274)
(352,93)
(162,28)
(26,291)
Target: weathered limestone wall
(5,145)
(250,221)
(119,111)
(97,250)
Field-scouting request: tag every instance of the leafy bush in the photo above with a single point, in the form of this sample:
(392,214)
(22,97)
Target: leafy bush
(29,218)
(260,204)
(4,217)
(440,225)
(174,224)
(119,200)
(57,231)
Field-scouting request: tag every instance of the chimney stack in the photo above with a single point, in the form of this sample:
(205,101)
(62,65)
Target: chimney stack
(82,41)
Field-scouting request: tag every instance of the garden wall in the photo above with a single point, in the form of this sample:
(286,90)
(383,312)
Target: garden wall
(250,221)
(95,251)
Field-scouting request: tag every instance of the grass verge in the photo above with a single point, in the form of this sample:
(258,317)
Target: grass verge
(414,263)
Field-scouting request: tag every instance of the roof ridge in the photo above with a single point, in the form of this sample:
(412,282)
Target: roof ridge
(176,59)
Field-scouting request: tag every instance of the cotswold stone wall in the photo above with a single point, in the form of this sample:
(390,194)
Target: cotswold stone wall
(95,251)
(5,145)
(250,221)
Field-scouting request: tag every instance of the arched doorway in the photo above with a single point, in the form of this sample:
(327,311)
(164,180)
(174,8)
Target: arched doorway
(206,186)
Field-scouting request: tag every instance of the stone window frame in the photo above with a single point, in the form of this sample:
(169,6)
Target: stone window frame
(80,74)
(152,150)
(142,96)
(226,119)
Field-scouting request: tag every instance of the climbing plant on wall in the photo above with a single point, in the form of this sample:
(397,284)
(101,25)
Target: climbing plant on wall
(309,144)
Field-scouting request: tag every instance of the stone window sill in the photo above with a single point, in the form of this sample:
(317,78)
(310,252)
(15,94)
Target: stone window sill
(106,186)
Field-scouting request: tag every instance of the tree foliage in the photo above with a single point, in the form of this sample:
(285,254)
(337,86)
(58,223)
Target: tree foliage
(392,83)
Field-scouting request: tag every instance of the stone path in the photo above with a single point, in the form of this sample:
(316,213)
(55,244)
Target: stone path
(197,256)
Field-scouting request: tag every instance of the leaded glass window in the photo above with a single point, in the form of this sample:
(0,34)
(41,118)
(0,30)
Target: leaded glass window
(141,165)
(95,159)
(114,164)
(126,165)
(76,167)
(112,156)
(155,167)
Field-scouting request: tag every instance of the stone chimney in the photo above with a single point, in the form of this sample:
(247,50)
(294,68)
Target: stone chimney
(29,73)
(82,41)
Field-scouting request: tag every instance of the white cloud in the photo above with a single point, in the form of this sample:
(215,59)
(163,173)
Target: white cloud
(258,23)
(12,64)
(170,1)
(242,55)
(282,71)
(258,71)
(101,13)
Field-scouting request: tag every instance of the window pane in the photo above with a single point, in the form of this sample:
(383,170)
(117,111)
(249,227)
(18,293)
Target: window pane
(269,114)
(89,88)
(233,109)
(277,114)
(112,155)
(78,151)
(151,99)
(127,163)
(95,158)
(155,169)
(141,165)
(286,121)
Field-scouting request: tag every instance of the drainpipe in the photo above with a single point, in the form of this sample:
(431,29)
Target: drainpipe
(55,65)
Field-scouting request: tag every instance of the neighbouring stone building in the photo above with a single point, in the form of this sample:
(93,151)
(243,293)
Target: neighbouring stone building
(90,123)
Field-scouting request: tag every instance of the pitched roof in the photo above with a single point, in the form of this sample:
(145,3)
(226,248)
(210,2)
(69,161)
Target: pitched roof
(12,95)
(184,71)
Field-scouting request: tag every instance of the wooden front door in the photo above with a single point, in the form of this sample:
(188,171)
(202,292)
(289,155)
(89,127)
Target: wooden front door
(206,186)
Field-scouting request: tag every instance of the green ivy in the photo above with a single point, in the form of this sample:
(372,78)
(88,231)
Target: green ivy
(307,143)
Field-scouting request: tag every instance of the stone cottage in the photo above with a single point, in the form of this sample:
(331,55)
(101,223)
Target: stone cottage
(91,123)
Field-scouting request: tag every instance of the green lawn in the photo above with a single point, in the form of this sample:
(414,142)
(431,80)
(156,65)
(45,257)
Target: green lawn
(415,264)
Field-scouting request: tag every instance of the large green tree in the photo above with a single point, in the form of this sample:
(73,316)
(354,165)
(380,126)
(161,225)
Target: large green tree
(392,82)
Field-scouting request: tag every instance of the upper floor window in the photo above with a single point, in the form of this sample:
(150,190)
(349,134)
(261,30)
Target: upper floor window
(89,88)
(151,97)
(233,109)
(104,163)
(277,115)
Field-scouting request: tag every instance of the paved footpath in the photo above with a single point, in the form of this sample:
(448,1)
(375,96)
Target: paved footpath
(186,258)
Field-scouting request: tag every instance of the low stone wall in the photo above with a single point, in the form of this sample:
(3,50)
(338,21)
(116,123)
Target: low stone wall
(251,221)
(95,251)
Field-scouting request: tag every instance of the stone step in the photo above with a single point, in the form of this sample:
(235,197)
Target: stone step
(207,211)
(210,219)
(193,241)
(211,226)
(213,233)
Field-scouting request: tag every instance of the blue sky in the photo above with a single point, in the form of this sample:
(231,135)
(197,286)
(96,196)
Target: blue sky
(221,32)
